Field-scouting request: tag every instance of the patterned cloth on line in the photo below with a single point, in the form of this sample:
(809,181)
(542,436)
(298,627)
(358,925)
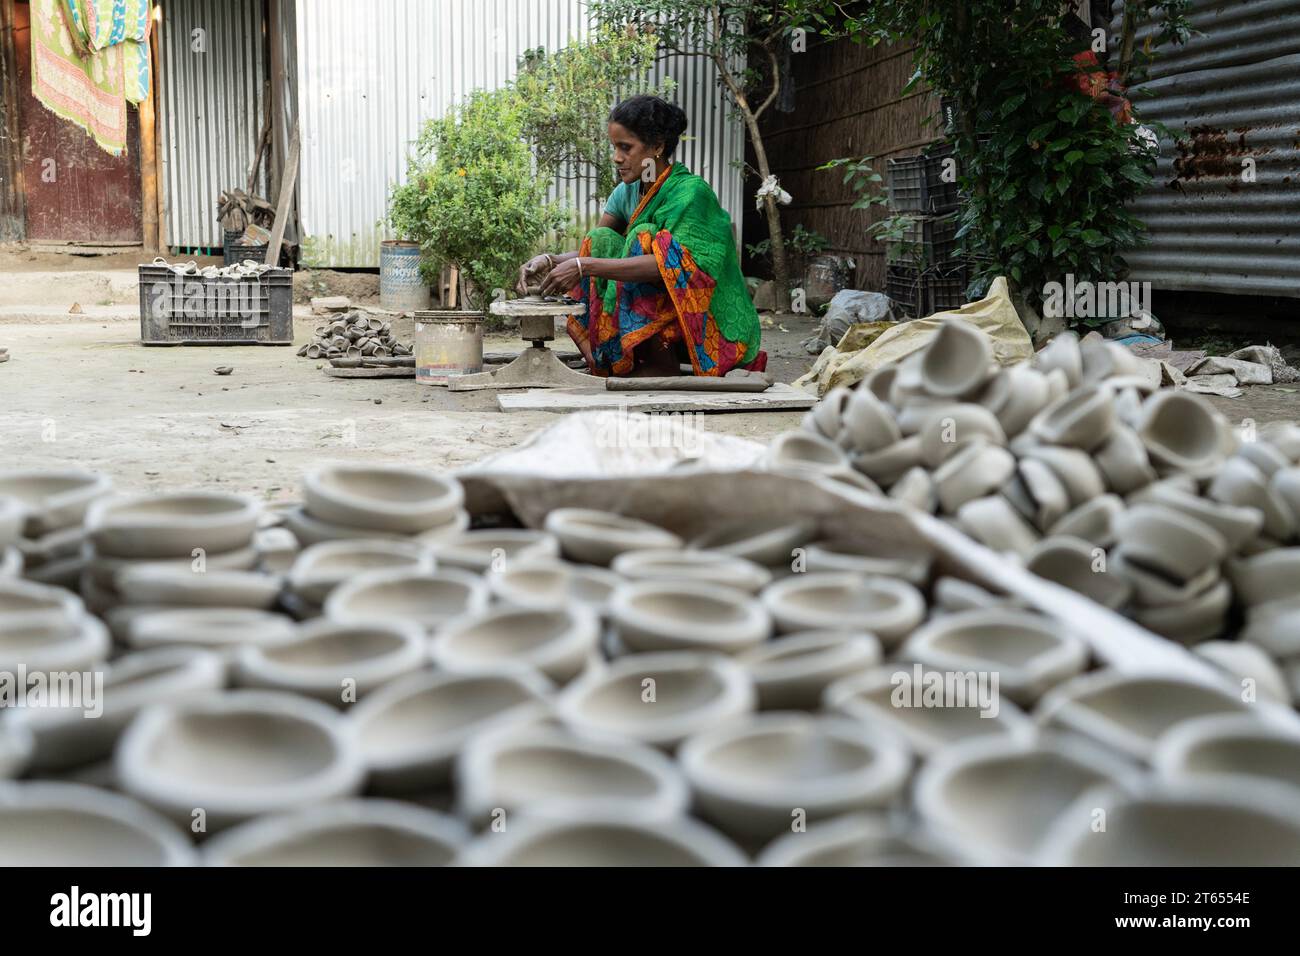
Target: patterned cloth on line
(703,301)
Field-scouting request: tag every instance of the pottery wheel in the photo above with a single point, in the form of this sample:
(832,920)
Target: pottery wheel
(537,366)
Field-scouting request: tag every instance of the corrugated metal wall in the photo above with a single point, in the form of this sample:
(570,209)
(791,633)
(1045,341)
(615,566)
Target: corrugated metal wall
(848,102)
(1230,95)
(370,74)
(211,110)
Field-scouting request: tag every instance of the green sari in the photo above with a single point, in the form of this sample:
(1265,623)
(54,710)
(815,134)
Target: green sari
(703,302)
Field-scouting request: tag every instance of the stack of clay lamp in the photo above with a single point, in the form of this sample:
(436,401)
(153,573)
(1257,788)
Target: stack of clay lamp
(402,689)
(354,335)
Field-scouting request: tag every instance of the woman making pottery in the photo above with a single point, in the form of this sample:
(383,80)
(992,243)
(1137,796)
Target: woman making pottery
(659,275)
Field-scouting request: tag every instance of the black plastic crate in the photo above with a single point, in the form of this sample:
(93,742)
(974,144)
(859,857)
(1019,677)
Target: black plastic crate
(905,183)
(222,310)
(905,285)
(940,197)
(928,241)
(235,252)
(947,288)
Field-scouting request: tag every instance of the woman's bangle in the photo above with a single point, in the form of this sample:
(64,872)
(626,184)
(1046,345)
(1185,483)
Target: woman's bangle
(580,267)
(550,259)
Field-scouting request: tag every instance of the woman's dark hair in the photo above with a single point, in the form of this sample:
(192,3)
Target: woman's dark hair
(651,120)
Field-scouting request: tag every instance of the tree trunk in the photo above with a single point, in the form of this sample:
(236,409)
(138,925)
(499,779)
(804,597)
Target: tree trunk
(776,238)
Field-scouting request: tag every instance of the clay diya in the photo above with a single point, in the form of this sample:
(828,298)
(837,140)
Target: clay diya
(385,498)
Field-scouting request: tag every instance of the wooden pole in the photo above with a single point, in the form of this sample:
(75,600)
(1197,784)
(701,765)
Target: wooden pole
(160,198)
(148,173)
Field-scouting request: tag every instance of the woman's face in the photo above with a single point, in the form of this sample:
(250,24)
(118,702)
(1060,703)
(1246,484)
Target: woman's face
(630,154)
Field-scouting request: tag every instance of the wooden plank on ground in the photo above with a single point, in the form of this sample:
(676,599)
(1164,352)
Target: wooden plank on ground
(393,372)
(287,183)
(779,398)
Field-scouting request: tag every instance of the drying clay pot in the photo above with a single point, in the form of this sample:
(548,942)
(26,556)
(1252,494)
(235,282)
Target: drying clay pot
(1238,526)
(344,833)
(858,839)
(1152,589)
(16,746)
(322,567)
(493,549)
(889,463)
(916,488)
(215,628)
(1072,563)
(410,731)
(1002,795)
(1271,576)
(792,672)
(974,472)
(598,840)
(750,776)
(1130,712)
(189,588)
(1029,653)
(804,453)
(656,699)
(957,360)
(866,423)
(557,641)
(824,419)
(548,771)
(1275,627)
(13,514)
(310,530)
(65,737)
(768,541)
(1123,461)
(954,594)
(1169,541)
(1284,436)
(1181,432)
(65,824)
(1082,419)
(1045,498)
(1242,484)
(704,567)
(1016,396)
(1191,621)
(386,498)
(104,570)
(546,583)
(886,607)
(41,641)
(1248,666)
(335,662)
(996,524)
(1264,457)
(1231,748)
(914,416)
(427,598)
(1204,825)
(52,500)
(907,562)
(1075,469)
(1062,355)
(276,548)
(237,755)
(18,597)
(1285,488)
(887,695)
(880,382)
(171,525)
(676,615)
(950,429)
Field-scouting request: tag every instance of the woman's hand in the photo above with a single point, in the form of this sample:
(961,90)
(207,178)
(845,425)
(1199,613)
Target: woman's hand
(563,277)
(533,272)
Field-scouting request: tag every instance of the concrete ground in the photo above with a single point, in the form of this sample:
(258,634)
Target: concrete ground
(80,389)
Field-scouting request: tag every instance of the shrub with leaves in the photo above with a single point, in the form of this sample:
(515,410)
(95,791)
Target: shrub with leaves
(472,197)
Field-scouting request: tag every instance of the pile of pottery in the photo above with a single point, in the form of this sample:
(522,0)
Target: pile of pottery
(1146,501)
(354,335)
(41,514)
(597,691)
(247,269)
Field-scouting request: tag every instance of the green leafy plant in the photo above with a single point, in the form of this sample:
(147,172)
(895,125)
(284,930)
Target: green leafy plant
(803,242)
(896,231)
(565,98)
(744,40)
(472,197)
(1047,168)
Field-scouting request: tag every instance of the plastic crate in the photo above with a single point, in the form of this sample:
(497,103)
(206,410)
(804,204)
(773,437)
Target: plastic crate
(905,184)
(196,310)
(929,241)
(946,288)
(940,197)
(905,285)
(235,252)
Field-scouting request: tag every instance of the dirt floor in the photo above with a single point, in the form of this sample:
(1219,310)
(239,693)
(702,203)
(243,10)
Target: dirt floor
(79,389)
